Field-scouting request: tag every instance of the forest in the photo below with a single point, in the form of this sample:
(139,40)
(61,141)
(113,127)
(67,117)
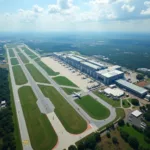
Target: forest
(7,139)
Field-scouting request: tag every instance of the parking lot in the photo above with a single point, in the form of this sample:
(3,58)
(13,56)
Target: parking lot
(77,77)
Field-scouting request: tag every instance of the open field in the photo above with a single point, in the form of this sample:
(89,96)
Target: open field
(28,52)
(112,102)
(14,61)
(70,91)
(23,58)
(17,49)
(19,75)
(11,53)
(47,69)
(125,103)
(95,109)
(107,144)
(64,81)
(70,119)
(33,56)
(36,74)
(15,120)
(140,136)
(41,132)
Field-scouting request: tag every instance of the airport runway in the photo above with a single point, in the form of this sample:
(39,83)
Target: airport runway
(70,100)
(20,116)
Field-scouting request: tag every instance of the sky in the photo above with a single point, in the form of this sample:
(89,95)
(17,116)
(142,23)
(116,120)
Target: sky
(75,15)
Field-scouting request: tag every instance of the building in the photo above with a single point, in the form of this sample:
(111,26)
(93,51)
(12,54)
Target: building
(135,118)
(132,88)
(108,76)
(147,97)
(114,92)
(147,87)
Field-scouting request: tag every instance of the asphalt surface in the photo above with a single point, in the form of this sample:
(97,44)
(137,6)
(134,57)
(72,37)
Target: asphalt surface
(44,104)
(70,99)
(21,121)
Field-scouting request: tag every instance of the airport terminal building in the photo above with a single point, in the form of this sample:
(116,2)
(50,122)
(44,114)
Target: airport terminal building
(92,68)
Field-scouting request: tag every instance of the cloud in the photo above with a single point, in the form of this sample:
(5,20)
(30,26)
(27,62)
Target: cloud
(65,4)
(128,8)
(147,10)
(53,9)
(37,9)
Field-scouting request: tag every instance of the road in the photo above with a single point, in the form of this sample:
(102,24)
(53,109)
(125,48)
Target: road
(21,121)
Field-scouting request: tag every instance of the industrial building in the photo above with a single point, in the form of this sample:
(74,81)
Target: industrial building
(114,92)
(94,69)
(134,89)
(108,76)
(135,118)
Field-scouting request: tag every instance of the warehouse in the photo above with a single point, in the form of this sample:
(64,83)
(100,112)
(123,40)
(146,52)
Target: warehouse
(114,92)
(89,68)
(108,76)
(136,90)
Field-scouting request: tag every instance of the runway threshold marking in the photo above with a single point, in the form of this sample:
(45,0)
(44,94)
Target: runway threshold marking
(25,142)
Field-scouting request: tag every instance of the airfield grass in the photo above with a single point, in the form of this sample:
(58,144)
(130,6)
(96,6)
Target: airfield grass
(134,133)
(33,56)
(70,119)
(23,58)
(11,53)
(47,69)
(14,61)
(19,75)
(28,52)
(41,132)
(64,81)
(36,74)
(114,103)
(15,120)
(70,91)
(125,103)
(95,109)
(17,49)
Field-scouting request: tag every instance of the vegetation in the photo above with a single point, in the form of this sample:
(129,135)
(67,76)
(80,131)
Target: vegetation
(125,103)
(28,52)
(134,102)
(14,61)
(15,120)
(41,132)
(17,49)
(132,136)
(114,103)
(23,58)
(33,56)
(47,69)
(36,74)
(95,109)
(64,81)
(71,120)
(19,75)
(7,138)
(70,91)
(11,53)
(140,76)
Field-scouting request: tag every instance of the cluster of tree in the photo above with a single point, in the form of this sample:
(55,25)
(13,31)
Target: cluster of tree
(135,102)
(6,122)
(146,112)
(140,76)
(89,143)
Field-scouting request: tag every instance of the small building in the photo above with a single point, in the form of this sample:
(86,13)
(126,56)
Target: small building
(115,92)
(147,97)
(135,118)
(132,88)
(3,104)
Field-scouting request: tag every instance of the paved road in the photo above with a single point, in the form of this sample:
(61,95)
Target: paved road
(21,121)
(70,100)
(44,103)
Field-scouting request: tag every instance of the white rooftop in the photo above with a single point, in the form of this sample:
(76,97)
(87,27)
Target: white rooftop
(109,73)
(115,92)
(3,102)
(75,58)
(81,57)
(136,113)
(96,63)
(90,65)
